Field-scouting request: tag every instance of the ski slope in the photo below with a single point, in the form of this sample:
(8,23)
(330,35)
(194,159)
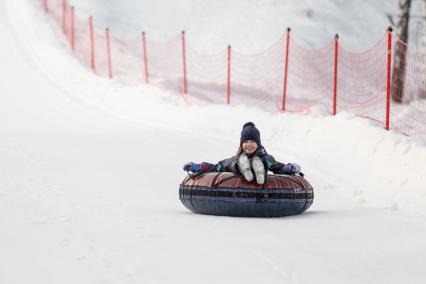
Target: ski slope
(89,174)
(249,26)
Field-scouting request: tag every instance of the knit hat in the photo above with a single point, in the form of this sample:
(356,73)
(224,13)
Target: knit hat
(250,132)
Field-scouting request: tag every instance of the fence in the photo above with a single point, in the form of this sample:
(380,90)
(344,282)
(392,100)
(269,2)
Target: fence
(284,77)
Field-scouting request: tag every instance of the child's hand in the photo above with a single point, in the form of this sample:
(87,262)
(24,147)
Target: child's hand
(291,168)
(295,168)
(188,166)
(193,167)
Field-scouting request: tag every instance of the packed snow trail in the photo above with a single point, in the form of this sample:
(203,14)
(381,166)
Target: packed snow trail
(86,197)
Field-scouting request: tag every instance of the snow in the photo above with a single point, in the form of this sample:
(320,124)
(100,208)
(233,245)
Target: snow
(89,172)
(248,25)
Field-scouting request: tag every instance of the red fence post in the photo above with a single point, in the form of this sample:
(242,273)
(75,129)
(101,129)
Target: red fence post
(286,68)
(228,89)
(145,58)
(46,6)
(64,16)
(336,56)
(92,44)
(388,78)
(185,83)
(72,28)
(108,52)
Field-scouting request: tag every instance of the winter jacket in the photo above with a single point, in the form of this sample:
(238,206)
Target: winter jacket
(229,165)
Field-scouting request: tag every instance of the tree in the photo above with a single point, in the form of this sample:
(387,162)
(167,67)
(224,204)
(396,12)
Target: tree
(398,74)
(423,42)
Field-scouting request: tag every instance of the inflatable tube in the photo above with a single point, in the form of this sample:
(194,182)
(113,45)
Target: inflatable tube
(230,195)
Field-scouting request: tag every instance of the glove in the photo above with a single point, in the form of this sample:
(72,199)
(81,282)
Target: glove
(291,169)
(193,167)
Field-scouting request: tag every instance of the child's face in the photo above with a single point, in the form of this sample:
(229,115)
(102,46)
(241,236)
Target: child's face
(249,146)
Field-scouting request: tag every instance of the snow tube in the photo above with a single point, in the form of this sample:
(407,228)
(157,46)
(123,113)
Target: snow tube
(230,195)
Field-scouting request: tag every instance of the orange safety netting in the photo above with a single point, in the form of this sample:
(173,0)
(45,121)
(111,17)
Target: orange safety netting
(408,107)
(286,76)
(361,85)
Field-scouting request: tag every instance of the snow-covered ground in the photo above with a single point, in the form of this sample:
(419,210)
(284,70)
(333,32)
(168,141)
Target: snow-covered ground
(89,174)
(248,25)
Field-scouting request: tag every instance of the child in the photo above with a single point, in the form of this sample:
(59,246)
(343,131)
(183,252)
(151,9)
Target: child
(251,160)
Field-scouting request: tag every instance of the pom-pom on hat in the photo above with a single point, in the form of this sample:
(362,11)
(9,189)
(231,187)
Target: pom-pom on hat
(250,132)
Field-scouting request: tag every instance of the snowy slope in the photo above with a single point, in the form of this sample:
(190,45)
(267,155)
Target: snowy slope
(248,25)
(89,172)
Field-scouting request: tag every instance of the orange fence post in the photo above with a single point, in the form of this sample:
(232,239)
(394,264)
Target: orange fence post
(388,77)
(286,69)
(108,43)
(336,56)
(228,89)
(185,82)
(145,58)
(72,28)
(64,16)
(92,44)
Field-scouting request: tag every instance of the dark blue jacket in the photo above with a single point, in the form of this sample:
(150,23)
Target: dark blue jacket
(229,165)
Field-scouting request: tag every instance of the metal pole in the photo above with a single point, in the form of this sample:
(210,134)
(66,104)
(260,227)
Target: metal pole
(336,56)
(286,69)
(109,52)
(185,83)
(145,58)
(388,78)
(228,89)
(72,28)
(92,44)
